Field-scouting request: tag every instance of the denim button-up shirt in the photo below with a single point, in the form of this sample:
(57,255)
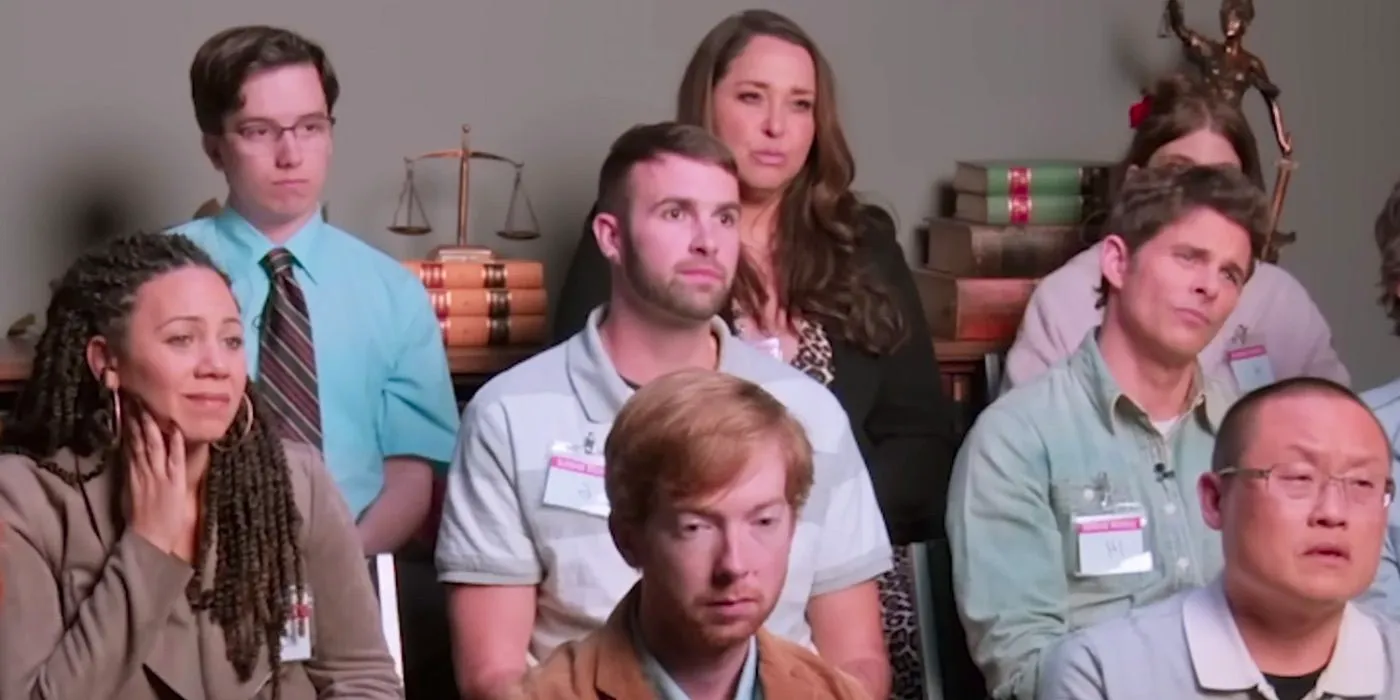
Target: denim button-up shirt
(1043,453)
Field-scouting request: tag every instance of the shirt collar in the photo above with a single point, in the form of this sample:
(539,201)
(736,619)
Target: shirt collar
(668,689)
(1208,404)
(251,242)
(594,378)
(1222,663)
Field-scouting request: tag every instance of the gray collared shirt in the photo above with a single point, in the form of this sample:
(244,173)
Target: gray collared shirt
(1034,460)
(497,529)
(1189,647)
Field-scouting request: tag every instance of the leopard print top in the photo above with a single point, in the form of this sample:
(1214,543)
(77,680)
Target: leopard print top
(900,617)
(813,356)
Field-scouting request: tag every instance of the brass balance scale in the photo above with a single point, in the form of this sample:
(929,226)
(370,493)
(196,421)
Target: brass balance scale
(410,218)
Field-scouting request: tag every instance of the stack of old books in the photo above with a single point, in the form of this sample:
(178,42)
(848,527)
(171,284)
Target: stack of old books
(486,303)
(1013,222)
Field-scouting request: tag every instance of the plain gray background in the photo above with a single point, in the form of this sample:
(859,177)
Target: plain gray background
(97,133)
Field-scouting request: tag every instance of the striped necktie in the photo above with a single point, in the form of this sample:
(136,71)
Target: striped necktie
(286,356)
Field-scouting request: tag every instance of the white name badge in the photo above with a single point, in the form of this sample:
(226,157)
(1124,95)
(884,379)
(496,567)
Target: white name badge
(574,480)
(296,636)
(1113,543)
(1250,365)
(771,345)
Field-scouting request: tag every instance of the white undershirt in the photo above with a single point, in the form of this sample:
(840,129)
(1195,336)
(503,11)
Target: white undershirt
(1164,427)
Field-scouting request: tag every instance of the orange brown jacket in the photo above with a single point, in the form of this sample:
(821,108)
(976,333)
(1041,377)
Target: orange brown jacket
(605,665)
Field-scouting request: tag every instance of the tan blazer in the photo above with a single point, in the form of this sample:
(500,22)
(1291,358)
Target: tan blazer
(87,612)
(605,666)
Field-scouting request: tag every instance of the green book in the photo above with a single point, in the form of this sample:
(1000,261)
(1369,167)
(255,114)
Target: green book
(1031,177)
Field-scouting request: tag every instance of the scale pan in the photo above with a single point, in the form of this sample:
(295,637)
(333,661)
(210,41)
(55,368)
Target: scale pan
(411,230)
(518,234)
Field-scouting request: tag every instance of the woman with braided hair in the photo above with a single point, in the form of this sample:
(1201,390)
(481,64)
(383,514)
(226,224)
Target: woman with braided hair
(160,541)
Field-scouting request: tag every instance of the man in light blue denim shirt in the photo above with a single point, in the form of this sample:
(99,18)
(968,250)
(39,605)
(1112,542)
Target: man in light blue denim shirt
(1384,594)
(1073,497)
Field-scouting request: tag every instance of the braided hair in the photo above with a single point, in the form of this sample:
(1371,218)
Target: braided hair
(247,493)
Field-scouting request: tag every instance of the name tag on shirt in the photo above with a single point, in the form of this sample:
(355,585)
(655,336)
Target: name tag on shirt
(296,636)
(1113,543)
(574,480)
(1251,367)
(771,345)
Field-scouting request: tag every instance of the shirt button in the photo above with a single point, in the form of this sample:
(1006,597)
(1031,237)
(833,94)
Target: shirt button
(1183,563)
(1169,508)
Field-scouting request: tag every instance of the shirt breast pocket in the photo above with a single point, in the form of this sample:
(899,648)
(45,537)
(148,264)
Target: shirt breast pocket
(1093,598)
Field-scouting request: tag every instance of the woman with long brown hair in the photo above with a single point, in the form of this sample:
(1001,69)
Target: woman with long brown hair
(1180,119)
(825,286)
(161,542)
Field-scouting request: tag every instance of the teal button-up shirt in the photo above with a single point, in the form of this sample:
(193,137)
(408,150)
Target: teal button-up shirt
(1384,594)
(382,374)
(1037,457)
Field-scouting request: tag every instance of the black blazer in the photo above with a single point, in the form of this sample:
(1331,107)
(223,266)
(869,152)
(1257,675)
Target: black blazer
(900,418)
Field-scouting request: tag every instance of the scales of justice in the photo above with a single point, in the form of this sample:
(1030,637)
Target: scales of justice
(411,219)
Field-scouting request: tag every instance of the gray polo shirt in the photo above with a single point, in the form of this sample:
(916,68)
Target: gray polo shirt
(1188,647)
(497,529)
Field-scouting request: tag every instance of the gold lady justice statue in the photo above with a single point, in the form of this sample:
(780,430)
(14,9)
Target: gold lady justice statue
(1230,71)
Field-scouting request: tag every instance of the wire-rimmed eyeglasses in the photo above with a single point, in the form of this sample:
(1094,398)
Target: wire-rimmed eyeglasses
(1300,481)
(265,132)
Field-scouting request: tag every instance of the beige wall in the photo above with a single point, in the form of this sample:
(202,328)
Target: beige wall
(96,130)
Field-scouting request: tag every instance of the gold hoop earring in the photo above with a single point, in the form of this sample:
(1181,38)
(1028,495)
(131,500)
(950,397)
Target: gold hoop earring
(116,416)
(247,428)
(247,419)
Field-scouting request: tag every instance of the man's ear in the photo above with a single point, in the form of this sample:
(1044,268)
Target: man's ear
(1114,260)
(210,145)
(1210,488)
(624,539)
(607,231)
(102,363)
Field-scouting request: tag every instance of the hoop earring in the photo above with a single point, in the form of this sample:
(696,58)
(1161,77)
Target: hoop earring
(116,416)
(247,428)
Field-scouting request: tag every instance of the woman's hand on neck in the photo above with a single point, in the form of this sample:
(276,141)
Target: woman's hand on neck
(197,458)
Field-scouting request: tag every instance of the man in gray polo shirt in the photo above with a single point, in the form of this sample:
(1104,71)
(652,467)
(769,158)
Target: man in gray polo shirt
(1299,486)
(524,544)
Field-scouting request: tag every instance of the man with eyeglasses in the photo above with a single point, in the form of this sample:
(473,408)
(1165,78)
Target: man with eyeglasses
(345,347)
(1299,489)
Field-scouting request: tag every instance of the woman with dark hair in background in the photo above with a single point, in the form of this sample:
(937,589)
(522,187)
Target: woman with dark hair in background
(825,286)
(160,540)
(1182,120)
